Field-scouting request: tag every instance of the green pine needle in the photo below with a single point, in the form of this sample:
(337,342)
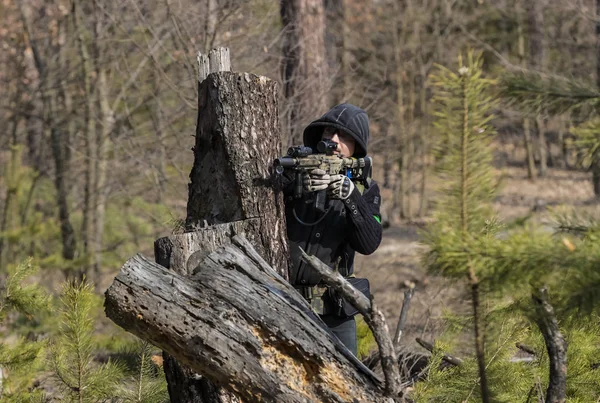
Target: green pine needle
(535,92)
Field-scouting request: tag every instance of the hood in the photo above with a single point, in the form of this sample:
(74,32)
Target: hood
(346,117)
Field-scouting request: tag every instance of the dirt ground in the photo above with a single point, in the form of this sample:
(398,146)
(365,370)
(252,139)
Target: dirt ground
(396,262)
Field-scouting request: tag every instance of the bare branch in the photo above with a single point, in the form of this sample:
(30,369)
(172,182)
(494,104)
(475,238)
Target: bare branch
(446,357)
(373,317)
(555,344)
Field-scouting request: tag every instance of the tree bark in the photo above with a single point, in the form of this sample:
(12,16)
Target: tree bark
(241,325)
(337,40)
(59,141)
(556,346)
(304,67)
(89,136)
(231,184)
(398,209)
(526,122)
(535,18)
(237,139)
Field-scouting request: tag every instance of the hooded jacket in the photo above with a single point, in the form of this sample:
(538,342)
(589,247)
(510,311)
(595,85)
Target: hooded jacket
(349,226)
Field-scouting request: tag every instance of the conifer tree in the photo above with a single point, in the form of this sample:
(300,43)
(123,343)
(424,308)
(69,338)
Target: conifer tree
(506,264)
(554,95)
(464,155)
(146,381)
(80,378)
(21,360)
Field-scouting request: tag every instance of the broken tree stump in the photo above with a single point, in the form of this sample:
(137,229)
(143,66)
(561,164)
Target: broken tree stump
(241,325)
(237,139)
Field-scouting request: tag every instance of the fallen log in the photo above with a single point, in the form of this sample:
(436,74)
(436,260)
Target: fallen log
(241,325)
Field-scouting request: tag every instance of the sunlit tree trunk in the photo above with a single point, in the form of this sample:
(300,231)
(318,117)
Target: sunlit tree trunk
(337,41)
(304,68)
(59,141)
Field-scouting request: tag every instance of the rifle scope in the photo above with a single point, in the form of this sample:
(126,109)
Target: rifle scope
(326,147)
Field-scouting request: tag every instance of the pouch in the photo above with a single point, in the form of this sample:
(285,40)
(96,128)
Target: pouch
(343,308)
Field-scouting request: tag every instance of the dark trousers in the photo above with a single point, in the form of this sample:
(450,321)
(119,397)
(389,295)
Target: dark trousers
(344,329)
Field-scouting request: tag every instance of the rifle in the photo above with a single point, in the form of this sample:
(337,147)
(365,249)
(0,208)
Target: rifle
(301,160)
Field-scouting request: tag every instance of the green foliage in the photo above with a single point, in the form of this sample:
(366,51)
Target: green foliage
(130,227)
(447,383)
(21,358)
(366,340)
(24,298)
(146,381)
(464,136)
(536,92)
(80,378)
(587,140)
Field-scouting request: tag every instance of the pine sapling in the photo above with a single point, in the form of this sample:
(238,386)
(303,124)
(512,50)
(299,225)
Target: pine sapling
(21,361)
(79,377)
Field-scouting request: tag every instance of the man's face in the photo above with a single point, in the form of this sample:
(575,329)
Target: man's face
(346,143)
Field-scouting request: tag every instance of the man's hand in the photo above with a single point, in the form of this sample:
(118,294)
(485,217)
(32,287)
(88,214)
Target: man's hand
(340,187)
(316,180)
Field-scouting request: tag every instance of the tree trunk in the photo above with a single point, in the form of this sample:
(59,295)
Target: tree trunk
(526,122)
(304,68)
(241,325)
(410,144)
(58,138)
(231,182)
(542,144)
(337,40)
(556,345)
(398,211)
(596,157)
(535,19)
(424,134)
(89,138)
(10,207)
(102,187)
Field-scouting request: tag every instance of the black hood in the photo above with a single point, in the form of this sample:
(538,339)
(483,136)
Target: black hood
(346,117)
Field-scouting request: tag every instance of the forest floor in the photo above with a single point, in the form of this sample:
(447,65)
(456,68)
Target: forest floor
(397,261)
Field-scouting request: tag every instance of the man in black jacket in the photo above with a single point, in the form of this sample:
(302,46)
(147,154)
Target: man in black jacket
(350,224)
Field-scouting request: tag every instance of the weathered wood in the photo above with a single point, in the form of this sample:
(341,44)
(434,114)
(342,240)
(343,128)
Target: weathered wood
(373,317)
(182,253)
(556,346)
(408,294)
(215,61)
(219,60)
(237,140)
(446,357)
(240,324)
(203,66)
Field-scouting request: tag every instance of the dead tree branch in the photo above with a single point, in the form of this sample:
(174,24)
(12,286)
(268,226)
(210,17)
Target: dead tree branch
(556,346)
(373,316)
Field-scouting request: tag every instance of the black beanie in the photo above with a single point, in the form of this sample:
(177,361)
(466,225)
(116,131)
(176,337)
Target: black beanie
(347,117)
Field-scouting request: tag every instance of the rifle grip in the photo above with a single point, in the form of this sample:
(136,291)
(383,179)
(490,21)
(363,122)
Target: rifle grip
(320,199)
(297,185)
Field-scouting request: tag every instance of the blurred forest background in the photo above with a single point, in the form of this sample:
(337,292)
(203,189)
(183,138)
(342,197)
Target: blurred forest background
(99,111)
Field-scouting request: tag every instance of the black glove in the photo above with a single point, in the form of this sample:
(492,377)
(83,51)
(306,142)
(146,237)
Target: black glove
(340,187)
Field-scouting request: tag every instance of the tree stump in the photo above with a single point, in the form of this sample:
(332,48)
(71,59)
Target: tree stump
(237,139)
(241,325)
